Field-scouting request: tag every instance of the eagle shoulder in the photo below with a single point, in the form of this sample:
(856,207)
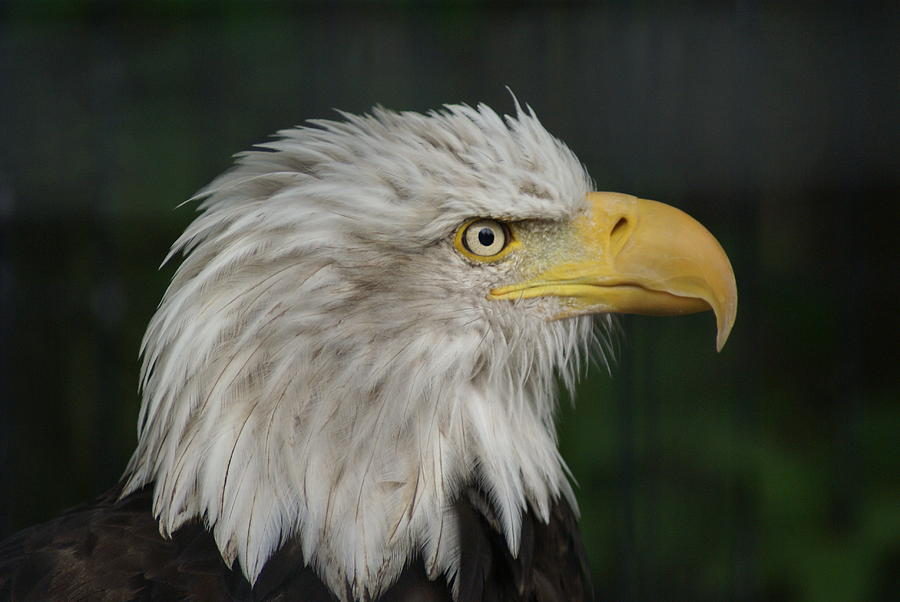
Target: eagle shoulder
(111,549)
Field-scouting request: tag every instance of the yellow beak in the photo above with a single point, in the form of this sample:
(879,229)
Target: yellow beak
(640,257)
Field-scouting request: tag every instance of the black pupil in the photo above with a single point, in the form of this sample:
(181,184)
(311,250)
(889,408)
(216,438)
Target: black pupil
(486,237)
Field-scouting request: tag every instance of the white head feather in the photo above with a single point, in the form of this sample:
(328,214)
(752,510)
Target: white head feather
(326,365)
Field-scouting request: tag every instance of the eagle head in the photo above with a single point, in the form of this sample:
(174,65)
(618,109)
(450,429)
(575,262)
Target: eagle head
(370,318)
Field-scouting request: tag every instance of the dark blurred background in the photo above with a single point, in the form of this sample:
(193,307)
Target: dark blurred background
(766,472)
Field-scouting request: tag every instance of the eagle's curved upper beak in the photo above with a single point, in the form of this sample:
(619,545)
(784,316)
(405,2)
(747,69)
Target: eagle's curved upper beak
(639,257)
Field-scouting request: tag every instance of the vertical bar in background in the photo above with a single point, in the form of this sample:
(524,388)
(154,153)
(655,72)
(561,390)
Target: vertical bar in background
(651,470)
(108,291)
(7,205)
(745,575)
(846,460)
(627,577)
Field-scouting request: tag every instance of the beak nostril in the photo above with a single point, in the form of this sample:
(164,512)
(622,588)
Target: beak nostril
(618,229)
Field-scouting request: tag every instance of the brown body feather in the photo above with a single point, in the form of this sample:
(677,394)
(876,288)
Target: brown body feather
(112,550)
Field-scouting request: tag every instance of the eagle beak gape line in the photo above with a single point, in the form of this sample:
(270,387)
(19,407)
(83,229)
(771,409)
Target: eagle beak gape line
(638,257)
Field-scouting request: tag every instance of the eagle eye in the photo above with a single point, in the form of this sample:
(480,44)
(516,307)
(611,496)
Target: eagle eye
(483,239)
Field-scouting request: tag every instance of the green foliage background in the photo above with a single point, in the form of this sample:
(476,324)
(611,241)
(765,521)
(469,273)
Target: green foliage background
(766,472)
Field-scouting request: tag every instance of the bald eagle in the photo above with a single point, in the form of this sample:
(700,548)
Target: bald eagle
(349,387)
